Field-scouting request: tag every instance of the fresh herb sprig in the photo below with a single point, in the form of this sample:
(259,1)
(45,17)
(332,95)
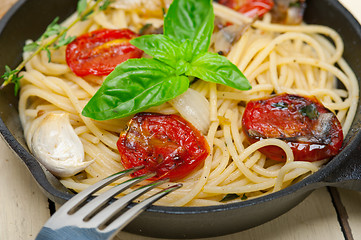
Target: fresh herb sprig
(45,43)
(179,54)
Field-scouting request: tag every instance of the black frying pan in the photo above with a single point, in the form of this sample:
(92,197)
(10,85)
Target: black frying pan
(28,19)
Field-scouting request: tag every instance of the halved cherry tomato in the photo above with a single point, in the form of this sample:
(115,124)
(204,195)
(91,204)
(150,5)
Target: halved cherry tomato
(250,8)
(99,52)
(312,131)
(165,144)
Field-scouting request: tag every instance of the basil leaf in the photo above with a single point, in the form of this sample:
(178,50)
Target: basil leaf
(159,46)
(134,86)
(212,67)
(193,20)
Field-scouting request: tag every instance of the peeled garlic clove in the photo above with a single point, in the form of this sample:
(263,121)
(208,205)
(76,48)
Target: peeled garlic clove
(193,107)
(57,147)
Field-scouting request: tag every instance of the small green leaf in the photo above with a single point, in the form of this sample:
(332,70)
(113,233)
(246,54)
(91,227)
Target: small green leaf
(53,29)
(16,81)
(85,16)
(310,111)
(212,67)
(295,4)
(134,86)
(11,76)
(105,5)
(229,197)
(145,28)
(244,197)
(31,47)
(63,41)
(81,7)
(48,53)
(159,46)
(8,72)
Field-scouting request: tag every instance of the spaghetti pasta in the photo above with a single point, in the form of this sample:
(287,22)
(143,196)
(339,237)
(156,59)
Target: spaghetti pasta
(274,58)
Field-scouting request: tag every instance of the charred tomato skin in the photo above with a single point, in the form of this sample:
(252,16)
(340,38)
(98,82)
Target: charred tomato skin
(99,52)
(165,144)
(251,8)
(312,131)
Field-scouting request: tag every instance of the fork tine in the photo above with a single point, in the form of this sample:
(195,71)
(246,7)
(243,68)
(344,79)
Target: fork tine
(121,221)
(81,197)
(110,211)
(91,207)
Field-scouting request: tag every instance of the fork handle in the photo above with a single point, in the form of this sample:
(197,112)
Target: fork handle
(70,233)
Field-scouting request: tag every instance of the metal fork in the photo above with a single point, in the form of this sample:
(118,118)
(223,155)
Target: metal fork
(98,219)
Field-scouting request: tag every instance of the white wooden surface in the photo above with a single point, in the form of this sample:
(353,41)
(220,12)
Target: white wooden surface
(24,209)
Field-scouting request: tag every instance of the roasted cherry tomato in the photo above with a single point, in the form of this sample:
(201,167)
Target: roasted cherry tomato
(165,144)
(312,131)
(99,52)
(250,8)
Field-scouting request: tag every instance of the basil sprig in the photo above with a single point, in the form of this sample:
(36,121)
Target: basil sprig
(181,52)
(44,43)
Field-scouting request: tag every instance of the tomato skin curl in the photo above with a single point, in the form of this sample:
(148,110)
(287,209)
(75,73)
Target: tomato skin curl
(312,131)
(165,144)
(99,52)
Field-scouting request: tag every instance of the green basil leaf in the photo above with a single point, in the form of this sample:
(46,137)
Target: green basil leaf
(159,46)
(134,86)
(212,67)
(193,20)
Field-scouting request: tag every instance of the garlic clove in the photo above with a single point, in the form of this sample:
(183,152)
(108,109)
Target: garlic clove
(193,107)
(56,145)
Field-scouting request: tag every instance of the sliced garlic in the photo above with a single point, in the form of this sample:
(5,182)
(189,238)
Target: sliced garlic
(193,107)
(56,145)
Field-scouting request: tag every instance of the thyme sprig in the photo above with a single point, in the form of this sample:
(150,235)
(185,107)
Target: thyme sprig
(46,42)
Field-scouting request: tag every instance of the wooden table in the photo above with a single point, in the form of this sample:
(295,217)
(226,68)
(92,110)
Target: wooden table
(325,214)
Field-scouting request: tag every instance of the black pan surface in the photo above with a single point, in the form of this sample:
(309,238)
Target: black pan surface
(28,19)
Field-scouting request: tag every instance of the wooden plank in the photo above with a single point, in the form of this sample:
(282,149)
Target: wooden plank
(354,6)
(23,207)
(5,5)
(341,213)
(351,199)
(352,203)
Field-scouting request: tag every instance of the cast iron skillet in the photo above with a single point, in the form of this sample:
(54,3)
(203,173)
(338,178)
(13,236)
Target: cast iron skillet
(28,19)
